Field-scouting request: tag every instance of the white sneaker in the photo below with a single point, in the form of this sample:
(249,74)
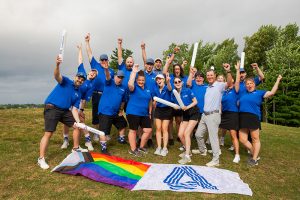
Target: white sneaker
(79,149)
(213,163)
(231,148)
(182,148)
(89,145)
(186,159)
(65,144)
(96,137)
(183,154)
(236,158)
(157,151)
(164,152)
(222,141)
(197,151)
(42,163)
(210,151)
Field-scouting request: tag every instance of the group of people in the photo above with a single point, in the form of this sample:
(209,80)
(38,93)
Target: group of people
(126,97)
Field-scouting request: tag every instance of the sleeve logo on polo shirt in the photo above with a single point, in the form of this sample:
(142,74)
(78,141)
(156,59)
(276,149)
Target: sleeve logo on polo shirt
(185,96)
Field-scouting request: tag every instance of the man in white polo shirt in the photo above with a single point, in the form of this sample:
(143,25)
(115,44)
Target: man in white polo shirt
(211,116)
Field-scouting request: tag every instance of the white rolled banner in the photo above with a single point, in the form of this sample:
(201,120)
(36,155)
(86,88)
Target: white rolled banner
(242,60)
(194,54)
(62,44)
(90,129)
(168,103)
(178,98)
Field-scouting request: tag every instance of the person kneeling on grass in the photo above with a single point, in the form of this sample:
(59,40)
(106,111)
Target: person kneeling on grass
(163,113)
(138,111)
(111,107)
(250,117)
(64,96)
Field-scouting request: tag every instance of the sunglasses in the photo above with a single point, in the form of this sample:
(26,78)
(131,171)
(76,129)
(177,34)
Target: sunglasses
(120,77)
(176,82)
(104,60)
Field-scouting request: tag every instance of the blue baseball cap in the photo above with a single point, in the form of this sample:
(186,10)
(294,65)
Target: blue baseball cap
(242,70)
(120,73)
(103,57)
(150,61)
(81,74)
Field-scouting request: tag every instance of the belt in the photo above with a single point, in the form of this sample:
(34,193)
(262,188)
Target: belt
(211,112)
(97,92)
(47,106)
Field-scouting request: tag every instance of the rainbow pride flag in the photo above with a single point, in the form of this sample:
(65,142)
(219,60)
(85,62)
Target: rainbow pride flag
(103,168)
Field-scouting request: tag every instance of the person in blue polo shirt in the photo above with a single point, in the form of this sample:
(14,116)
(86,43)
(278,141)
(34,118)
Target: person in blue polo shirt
(99,81)
(230,112)
(111,108)
(138,111)
(163,113)
(64,96)
(190,116)
(86,90)
(250,116)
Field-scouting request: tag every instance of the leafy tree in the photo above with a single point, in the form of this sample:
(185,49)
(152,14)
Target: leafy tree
(114,57)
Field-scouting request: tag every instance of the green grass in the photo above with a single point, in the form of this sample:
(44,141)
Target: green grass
(276,176)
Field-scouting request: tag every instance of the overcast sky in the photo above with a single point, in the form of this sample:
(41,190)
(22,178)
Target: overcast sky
(31,32)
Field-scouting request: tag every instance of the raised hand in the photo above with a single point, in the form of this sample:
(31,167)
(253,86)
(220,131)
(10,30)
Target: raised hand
(193,71)
(226,66)
(87,37)
(143,45)
(176,49)
(279,77)
(120,40)
(254,65)
(79,46)
(168,77)
(135,68)
(58,60)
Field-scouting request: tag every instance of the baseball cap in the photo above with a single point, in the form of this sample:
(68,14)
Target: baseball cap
(156,59)
(81,74)
(103,57)
(242,70)
(150,61)
(159,76)
(120,73)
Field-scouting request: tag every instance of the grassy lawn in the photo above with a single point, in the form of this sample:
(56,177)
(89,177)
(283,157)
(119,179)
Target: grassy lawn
(276,177)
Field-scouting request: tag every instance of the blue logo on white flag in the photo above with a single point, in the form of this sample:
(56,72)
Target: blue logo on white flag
(174,179)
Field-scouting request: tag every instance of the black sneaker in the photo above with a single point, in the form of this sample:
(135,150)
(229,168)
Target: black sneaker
(105,151)
(122,140)
(171,142)
(252,162)
(143,150)
(135,153)
(150,143)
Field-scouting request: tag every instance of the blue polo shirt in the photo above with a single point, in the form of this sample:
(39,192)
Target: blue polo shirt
(86,89)
(126,73)
(138,103)
(229,100)
(156,71)
(111,99)
(99,81)
(199,91)
(150,80)
(251,101)
(164,94)
(186,95)
(64,95)
(184,79)
(243,88)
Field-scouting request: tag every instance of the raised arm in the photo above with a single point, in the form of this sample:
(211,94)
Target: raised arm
(170,60)
(226,66)
(88,47)
(133,73)
(191,75)
(274,89)
(120,56)
(168,82)
(237,78)
(80,59)
(144,55)
(258,70)
(57,74)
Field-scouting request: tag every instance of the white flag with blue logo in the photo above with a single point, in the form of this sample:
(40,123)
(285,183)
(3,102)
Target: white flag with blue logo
(192,178)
